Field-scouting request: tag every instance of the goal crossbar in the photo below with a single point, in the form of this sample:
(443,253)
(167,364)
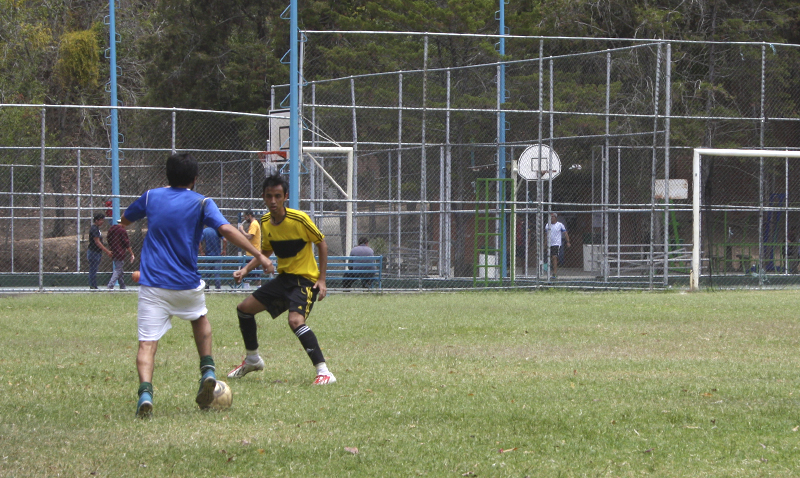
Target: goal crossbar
(694,277)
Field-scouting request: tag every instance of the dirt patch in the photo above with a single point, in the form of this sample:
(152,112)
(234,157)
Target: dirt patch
(60,254)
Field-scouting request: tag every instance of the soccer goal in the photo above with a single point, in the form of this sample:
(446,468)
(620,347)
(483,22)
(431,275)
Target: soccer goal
(327,178)
(697,193)
(336,183)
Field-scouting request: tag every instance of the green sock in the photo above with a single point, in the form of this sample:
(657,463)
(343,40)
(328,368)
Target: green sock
(207,363)
(146,387)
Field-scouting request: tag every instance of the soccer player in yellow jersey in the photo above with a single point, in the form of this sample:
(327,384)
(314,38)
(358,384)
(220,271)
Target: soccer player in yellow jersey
(288,233)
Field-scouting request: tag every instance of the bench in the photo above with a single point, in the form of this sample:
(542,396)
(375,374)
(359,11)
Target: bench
(344,271)
(348,270)
(213,268)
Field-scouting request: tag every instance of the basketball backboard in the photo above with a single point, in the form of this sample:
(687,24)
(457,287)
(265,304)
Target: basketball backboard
(278,130)
(538,161)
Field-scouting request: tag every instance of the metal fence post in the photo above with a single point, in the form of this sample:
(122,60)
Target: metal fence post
(41,199)
(448,186)
(651,236)
(540,259)
(667,113)
(12,217)
(762,122)
(312,168)
(399,171)
(550,176)
(423,186)
(78,216)
(355,163)
(442,188)
(91,190)
(606,172)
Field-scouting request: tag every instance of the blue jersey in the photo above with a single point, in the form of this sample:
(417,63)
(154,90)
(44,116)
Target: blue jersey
(213,242)
(175,219)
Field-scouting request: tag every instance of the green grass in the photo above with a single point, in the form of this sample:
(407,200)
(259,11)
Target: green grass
(566,384)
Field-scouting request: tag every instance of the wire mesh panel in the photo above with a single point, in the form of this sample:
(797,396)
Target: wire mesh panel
(54,180)
(749,226)
(432,134)
(419,132)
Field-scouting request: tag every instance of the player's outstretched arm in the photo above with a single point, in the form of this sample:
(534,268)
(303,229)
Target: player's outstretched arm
(237,239)
(242,273)
(322,251)
(254,262)
(266,263)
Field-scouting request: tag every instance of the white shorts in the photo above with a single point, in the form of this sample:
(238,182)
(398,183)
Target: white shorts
(157,306)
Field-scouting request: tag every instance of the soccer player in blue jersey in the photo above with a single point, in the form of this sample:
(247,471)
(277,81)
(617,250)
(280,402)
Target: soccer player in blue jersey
(288,233)
(170,284)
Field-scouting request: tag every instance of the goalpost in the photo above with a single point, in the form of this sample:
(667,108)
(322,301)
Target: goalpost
(347,191)
(694,277)
(279,142)
(271,160)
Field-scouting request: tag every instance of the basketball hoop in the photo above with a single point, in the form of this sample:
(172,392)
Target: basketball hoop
(272,156)
(272,160)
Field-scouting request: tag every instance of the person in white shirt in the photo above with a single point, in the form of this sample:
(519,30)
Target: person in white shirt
(555,231)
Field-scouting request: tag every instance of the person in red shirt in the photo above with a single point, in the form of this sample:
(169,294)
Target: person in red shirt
(120,247)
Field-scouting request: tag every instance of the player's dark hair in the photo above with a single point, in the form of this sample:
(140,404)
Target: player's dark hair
(363,240)
(275,180)
(182,170)
(99,216)
(249,212)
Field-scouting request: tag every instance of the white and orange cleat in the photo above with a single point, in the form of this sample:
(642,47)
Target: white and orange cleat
(324,379)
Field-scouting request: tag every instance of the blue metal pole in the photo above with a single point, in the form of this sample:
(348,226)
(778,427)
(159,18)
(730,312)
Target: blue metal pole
(501,138)
(114,118)
(501,134)
(294,113)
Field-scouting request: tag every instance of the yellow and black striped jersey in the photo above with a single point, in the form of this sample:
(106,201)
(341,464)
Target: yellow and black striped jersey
(291,242)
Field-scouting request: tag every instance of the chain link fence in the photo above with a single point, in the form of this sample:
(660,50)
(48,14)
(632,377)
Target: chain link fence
(436,184)
(50,191)
(750,225)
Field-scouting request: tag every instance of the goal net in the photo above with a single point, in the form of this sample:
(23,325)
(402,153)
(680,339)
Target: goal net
(745,217)
(327,192)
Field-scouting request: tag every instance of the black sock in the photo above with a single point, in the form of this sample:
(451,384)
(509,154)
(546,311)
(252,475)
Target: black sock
(247,324)
(309,342)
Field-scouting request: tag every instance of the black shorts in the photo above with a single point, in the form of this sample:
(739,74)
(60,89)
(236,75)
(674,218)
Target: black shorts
(287,292)
(554,250)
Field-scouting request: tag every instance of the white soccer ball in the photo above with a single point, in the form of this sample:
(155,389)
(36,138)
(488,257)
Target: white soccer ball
(222,396)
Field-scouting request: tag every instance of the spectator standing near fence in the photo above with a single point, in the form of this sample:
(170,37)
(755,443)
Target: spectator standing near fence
(361,250)
(251,229)
(120,246)
(213,244)
(95,249)
(555,231)
(170,284)
(300,282)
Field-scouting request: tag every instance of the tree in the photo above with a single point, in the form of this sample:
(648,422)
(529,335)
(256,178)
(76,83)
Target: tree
(220,55)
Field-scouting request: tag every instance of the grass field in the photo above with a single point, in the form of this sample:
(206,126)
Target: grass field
(463,384)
